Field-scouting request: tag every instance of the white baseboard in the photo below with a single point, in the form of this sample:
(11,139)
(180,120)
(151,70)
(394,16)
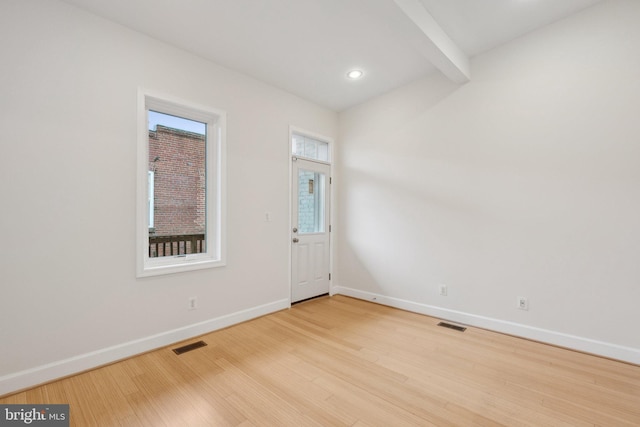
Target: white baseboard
(599,348)
(59,369)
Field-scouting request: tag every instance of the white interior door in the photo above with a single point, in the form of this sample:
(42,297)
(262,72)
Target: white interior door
(311,193)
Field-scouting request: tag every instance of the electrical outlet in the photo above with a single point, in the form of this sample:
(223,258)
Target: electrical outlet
(193,303)
(523,303)
(443,290)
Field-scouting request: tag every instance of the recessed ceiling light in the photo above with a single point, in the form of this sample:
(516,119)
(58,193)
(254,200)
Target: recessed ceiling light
(354,74)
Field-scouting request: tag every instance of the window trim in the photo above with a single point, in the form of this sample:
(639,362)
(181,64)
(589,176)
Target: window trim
(215,255)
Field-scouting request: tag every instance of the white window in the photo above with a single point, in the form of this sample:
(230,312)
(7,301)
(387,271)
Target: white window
(181,186)
(309,148)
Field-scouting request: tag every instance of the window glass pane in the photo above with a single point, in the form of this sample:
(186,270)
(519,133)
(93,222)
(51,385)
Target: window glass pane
(177,153)
(323,151)
(298,145)
(310,202)
(303,146)
(310,149)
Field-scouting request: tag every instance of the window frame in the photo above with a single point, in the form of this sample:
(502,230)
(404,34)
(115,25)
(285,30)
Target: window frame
(215,158)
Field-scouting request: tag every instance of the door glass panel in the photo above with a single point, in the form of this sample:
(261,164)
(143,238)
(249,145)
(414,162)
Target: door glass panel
(310,201)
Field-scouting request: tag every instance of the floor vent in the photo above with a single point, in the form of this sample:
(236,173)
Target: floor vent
(189,347)
(450,326)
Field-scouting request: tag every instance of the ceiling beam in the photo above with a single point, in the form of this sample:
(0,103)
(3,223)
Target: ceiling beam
(439,49)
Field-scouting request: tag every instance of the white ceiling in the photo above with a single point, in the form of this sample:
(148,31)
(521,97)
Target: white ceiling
(307,46)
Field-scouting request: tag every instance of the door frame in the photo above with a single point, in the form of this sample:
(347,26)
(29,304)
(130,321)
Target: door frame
(332,196)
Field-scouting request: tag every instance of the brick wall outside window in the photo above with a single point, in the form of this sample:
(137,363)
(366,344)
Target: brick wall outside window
(177,158)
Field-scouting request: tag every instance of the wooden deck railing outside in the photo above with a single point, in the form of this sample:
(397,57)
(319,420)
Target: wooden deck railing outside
(176,245)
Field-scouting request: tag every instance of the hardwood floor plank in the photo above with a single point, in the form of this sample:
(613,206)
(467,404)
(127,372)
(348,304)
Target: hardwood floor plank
(365,406)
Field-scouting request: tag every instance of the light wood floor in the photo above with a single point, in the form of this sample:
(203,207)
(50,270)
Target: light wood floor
(339,361)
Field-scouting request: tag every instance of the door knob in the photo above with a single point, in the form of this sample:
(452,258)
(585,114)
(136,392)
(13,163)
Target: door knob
(295,229)
(295,240)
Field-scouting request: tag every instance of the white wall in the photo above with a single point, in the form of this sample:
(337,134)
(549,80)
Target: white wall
(69,298)
(523,182)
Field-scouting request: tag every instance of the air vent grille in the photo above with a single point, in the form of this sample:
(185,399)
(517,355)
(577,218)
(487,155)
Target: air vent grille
(189,347)
(454,327)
